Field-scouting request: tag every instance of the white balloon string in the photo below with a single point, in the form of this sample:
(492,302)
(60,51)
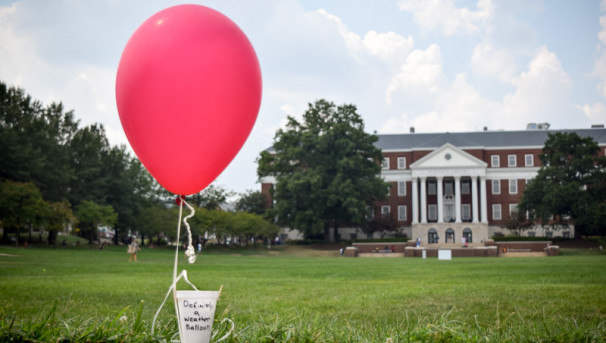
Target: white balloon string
(190,252)
(173,287)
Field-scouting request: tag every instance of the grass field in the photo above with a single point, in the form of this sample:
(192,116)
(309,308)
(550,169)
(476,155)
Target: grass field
(294,296)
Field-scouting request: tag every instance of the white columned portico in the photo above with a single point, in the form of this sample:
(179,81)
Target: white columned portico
(423,200)
(458,198)
(483,203)
(474,198)
(440,200)
(415,200)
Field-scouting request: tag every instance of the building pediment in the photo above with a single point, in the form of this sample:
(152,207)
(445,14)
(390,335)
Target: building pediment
(448,160)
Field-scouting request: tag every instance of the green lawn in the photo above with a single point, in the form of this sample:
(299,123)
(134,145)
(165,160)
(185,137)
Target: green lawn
(294,298)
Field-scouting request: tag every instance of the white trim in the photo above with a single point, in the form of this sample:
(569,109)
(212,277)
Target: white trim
(268,179)
(512,173)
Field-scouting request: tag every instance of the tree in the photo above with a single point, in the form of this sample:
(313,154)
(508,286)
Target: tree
(212,197)
(251,202)
(517,222)
(35,143)
(382,224)
(60,214)
(89,147)
(327,170)
(570,186)
(92,215)
(21,206)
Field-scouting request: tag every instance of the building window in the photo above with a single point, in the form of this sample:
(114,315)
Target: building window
(465,187)
(494,161)
(385,210)
(401,188)
(432,212)
(432,236)
(448,189)
(431,187)
(385,163)
(511,160)
(370,212)
(496,186)
(529,160)
(531,233)
(513,209)
(402,212)
(450,235)
(513,186)
(401,162)
(466,212)
(467,235)
(496,211)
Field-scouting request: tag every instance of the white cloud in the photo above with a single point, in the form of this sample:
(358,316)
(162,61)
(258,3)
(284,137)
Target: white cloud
(489,62)
(596,113)
(389,47)
(600,64)
(541,95)
(421,74)
(542,92)
(445,18)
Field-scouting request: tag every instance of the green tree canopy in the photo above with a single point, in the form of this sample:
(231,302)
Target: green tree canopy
(327,170)
(211,197)
(21,205)
(92,215)
(570,186)
(251,202)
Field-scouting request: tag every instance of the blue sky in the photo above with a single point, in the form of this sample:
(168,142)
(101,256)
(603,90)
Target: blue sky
(436,65)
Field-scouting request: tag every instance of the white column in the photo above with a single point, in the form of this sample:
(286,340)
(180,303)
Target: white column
(483,203)
(458,199)
(415,200)
(440,200)
(423,201)
(474,198)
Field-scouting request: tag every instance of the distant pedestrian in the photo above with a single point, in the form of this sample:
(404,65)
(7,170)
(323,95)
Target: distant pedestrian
(418,242)
(133,249)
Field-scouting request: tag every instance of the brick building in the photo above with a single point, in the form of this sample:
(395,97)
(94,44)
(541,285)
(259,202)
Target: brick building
(446,186)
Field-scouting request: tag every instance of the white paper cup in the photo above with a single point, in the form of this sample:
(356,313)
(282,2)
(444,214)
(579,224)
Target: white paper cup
(196,313)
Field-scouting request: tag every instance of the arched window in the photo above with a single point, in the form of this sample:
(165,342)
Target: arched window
(432,236)
(467,234)
(450,235)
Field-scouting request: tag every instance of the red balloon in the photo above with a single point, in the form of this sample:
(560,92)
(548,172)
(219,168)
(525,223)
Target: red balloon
(188,90)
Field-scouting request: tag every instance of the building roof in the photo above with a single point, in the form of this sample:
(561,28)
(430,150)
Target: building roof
(479,139)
